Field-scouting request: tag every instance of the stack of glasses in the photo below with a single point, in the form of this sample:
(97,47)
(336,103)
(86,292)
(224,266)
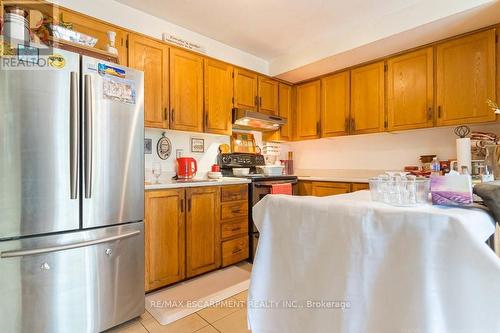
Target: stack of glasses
(400,189)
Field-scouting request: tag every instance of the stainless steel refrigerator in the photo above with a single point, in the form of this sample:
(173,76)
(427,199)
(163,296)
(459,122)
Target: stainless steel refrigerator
(71,195)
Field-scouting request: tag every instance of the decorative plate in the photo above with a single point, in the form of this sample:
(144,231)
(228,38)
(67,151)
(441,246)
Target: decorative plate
(164,147)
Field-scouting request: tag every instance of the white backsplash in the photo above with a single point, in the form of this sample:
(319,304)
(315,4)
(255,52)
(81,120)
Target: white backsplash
(381,151)
(182,140)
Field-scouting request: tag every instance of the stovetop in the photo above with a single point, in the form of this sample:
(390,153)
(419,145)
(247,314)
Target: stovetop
(240,160)
(260,177)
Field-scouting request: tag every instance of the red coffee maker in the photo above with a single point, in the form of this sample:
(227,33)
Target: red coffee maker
(186,168)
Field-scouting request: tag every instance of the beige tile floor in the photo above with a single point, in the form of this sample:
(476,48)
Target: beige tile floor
(228,316)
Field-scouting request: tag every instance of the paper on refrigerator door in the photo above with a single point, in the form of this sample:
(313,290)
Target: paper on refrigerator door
(118,89)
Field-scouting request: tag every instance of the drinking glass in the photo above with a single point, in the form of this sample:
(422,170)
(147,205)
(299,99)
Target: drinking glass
(156,171)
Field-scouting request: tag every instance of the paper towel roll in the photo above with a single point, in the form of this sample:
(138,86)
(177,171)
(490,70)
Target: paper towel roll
(464,154)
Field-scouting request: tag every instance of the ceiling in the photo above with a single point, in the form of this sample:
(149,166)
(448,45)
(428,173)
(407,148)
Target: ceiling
(291,34)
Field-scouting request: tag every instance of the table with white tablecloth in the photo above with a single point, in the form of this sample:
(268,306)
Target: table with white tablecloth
(349,265)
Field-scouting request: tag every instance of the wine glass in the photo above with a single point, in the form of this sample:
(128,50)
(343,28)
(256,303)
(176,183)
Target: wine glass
(156,171)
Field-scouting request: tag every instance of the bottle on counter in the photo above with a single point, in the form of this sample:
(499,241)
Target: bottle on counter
(435,167)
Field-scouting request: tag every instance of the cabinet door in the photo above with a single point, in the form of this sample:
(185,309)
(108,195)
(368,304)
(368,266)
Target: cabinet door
(186,91)
(285,97)
(285,110)
(203,252)
(323,189)
(218,84)
(367,99)
(335,104)
(268,95)
(164,237)
(308,110)
(151,57)
(465,79)
(245,89)
(359,187)
(410,90)
(98,29)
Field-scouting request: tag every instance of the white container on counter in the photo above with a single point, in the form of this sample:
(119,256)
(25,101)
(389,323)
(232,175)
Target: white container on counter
(271,170)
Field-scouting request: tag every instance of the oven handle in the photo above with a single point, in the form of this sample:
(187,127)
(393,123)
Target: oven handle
(268,184)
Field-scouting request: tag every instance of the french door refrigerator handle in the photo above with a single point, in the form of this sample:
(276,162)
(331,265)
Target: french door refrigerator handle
(30,252)
(88,135)
(74,136)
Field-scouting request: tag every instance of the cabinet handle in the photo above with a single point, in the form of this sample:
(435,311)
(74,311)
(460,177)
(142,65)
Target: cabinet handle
(439,111)
(237,250)
(353,125)
(429,113)
(236,229)
(346,125)
(206,119)
(256,101)
(173,115)
(318,128)
(189,204)
(260,101)
(236,210)
(165,114)
(182,205)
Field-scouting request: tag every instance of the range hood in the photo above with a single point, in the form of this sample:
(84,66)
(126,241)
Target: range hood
(252,120)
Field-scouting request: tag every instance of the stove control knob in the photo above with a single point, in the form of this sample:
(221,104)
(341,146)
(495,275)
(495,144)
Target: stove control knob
(226,159)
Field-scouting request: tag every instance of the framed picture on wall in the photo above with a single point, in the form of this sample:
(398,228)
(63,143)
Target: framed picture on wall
(197,145)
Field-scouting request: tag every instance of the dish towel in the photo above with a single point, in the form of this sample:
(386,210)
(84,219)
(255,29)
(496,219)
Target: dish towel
(285,188)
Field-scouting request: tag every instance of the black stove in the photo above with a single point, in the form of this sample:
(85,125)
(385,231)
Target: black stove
(229,161)
(260,186)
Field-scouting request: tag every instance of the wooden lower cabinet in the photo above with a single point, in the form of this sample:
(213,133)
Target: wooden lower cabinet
(235,250)
(202,230)
(234,224)
(325,188)
(359,187)
(164,238)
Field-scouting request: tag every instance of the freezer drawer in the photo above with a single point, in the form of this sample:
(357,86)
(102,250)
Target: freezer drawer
(85,281)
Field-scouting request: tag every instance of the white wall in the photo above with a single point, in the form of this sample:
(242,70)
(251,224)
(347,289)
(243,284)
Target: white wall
(182,140)
(382,151)
(135,20)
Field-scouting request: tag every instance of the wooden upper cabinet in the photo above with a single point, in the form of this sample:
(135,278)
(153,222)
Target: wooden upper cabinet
(218,84)
(186,91)
(164,238)
(465,79)
(285,110)
(98,29)
(285,97)
(308,110)
(367,99)
(151,57)
(203,252)
(268,95)
(410,90)
(245,89)
(335,104)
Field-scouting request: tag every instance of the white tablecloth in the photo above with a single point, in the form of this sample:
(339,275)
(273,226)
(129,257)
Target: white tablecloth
(372,268)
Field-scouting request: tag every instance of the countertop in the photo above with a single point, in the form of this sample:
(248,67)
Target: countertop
(337,175)
(197,183)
